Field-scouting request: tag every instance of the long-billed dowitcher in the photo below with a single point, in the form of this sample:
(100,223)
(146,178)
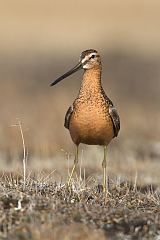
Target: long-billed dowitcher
(92,118)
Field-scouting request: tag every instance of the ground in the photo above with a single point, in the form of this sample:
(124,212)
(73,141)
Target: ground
(42,209)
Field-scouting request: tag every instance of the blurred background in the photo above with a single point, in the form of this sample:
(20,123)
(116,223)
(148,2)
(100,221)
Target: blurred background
(40,40)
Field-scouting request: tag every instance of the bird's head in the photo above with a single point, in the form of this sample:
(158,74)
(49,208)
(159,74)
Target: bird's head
(89,59)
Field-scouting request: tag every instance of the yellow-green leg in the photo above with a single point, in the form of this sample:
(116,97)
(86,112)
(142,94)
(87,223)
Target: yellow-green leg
(74,166)
(104,164)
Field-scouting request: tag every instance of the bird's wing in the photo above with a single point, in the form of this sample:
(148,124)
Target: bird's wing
(68,116)
(114,114)
(115,119)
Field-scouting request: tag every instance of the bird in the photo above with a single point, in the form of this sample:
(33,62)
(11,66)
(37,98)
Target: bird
(92,119)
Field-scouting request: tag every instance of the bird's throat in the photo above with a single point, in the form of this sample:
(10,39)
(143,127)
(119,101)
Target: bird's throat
(91,83)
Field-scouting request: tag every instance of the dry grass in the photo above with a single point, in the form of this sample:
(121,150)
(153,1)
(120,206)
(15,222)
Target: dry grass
(47,210)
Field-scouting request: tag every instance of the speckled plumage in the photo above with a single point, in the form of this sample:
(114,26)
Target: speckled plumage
(92,119)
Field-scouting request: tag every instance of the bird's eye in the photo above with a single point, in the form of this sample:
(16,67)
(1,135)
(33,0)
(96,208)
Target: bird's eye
(93,56)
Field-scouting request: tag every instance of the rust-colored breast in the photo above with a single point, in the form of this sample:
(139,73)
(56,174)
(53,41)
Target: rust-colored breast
(90,122)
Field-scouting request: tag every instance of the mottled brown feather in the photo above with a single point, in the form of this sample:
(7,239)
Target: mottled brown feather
(113,113)
(68,116)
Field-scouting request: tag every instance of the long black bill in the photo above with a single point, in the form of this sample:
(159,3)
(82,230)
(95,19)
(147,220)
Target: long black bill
(73,70)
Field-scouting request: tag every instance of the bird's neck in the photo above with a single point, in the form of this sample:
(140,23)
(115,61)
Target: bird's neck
(91,81)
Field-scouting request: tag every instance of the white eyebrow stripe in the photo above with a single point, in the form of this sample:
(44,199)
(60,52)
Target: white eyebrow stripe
(91,54)
(84,59)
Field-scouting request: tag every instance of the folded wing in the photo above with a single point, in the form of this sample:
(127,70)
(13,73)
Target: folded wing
(68,116)
(113,113)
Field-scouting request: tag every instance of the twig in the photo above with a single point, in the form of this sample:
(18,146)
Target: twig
(19,124)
